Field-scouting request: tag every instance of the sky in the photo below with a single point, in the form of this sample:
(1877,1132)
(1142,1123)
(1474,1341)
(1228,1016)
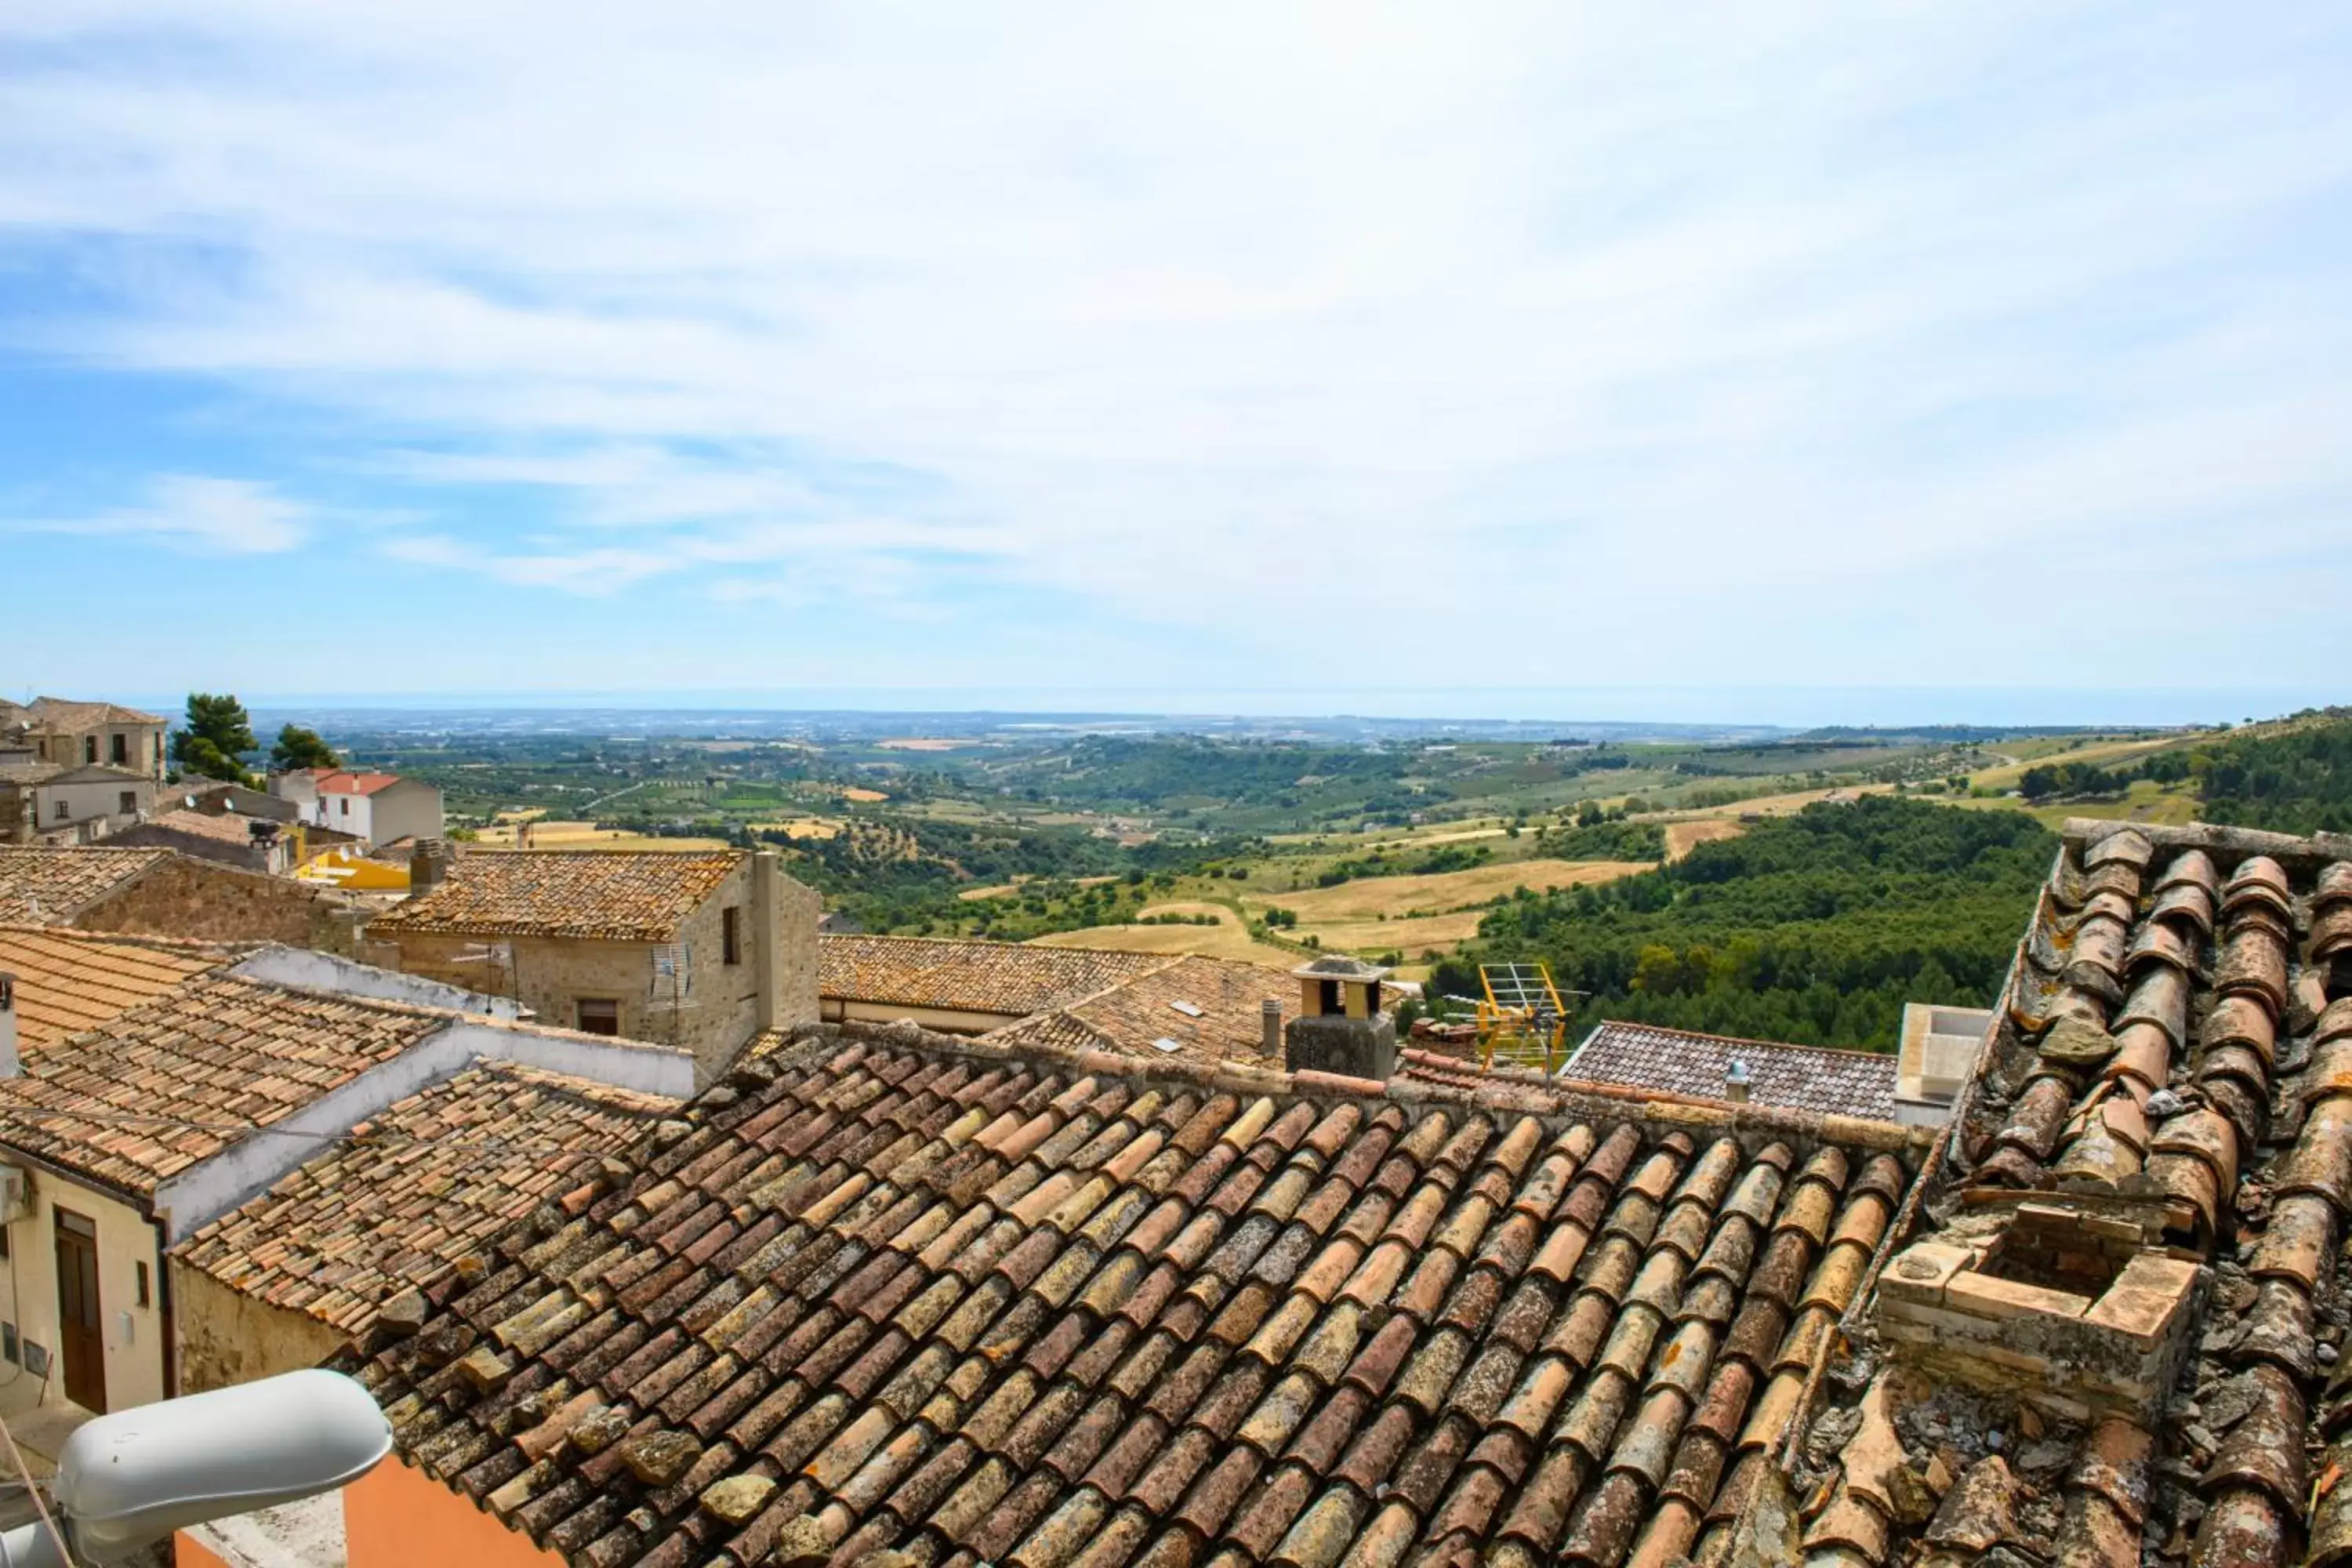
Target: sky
(1992,355)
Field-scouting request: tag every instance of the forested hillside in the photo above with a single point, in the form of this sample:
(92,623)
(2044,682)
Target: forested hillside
(2298,782)
(1814,928)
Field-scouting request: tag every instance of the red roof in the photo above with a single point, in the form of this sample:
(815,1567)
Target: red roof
(340,782)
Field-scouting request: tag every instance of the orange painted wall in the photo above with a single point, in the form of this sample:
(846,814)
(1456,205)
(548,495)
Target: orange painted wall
(395,1517)
(186,1553)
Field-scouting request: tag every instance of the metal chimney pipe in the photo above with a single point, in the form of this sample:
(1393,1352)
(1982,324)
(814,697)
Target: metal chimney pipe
(1270,1027)
(1736,1082)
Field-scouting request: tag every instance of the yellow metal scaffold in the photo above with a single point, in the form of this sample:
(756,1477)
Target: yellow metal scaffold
(1522,1022)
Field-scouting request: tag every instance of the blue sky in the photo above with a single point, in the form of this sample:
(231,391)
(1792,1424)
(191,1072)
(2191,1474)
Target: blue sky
(1398,352)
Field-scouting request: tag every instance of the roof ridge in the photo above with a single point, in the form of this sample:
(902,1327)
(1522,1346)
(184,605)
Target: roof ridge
(1736,1039)
(1505,1092)
(1121,983)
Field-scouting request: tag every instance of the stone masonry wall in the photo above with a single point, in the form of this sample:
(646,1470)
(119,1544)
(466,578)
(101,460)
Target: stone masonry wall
(225,1337)
(198,900)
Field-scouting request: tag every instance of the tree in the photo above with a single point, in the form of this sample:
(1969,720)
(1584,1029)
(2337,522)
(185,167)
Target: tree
(300,747)
(218,731)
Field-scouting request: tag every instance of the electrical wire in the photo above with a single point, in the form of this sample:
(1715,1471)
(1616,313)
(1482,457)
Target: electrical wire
(39,1505)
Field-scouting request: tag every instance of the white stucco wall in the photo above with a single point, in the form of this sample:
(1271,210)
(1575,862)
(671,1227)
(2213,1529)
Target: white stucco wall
(308,970)
(409,809)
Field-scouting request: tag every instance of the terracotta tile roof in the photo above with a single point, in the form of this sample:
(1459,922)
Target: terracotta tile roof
(1043,1311)
(969,976)
(49,886)
(2173,1063)
(227,827)
(343,782)
(622,896)
(1207,1009)
(152,1092)
(63,713)
(69,980)
(432,1179)
(1802,1078)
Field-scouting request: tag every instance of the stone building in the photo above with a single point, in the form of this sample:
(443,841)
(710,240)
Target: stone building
(158,892)
(80,804)
(702,952)
(70,734)
(251,843)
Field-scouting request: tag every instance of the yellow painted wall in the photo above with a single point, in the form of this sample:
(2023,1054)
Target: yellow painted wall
(354,873)
(28,1296)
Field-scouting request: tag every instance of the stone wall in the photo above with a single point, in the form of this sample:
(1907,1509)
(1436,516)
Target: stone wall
(1950,1307)
(225,1337)
(797,912)
(720,1009)
(197,900)
(549,976)
(722,1000)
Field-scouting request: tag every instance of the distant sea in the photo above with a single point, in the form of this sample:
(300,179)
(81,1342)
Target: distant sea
(1729,707)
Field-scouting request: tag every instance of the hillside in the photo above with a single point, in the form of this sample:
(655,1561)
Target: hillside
(1814,928)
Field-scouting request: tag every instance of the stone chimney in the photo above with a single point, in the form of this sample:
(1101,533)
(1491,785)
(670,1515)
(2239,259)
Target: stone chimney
(12,1063)
(1270,1028)
(1340,1027)
(428,866)
(16,813)
(1737,1082)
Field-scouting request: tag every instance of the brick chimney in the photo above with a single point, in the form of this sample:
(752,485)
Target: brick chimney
(12,1064)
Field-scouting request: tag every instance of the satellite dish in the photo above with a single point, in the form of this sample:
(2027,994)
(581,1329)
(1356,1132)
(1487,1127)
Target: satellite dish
(130,1480)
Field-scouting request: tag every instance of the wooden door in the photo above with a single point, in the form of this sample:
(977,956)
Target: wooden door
(81,1340)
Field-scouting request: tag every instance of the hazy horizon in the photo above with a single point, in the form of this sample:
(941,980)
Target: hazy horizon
(1726,707)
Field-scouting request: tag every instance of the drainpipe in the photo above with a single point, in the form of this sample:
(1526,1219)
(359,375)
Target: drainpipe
(12,1063)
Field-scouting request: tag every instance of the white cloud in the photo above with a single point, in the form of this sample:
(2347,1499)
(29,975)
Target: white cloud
(200,515)
(1582,316)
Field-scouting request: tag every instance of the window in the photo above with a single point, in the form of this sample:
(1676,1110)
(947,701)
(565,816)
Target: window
(345,806)
(89,748)
(4,1242)
(127,803)
(60,813)
(730,936)
(144,1298)
(122,750)
(599,1016)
